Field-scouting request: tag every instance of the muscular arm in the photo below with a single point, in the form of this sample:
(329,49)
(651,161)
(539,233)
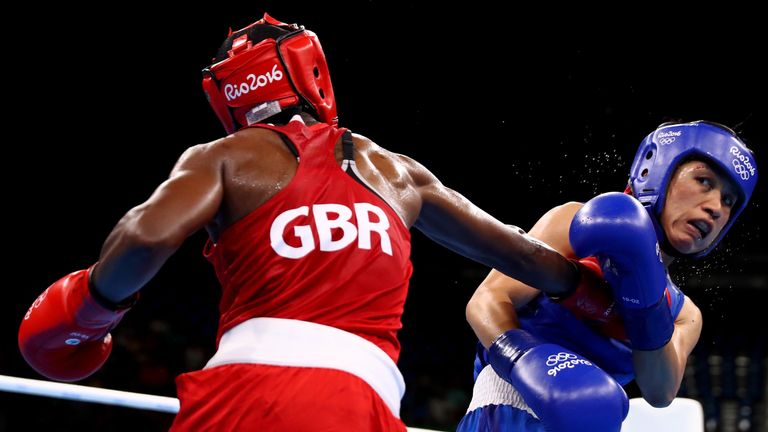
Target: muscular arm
(454,222)
(491,310)
(151,232)
(660,372)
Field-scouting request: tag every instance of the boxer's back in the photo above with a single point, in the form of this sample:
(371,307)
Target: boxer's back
(258,164)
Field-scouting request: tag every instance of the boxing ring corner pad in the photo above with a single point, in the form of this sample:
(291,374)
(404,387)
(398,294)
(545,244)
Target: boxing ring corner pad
(682,415)
(81,393)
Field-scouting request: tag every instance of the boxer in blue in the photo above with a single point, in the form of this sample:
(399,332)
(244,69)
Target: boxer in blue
(559,364)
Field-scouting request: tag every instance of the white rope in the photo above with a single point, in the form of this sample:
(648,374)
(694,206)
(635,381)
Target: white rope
(89,394)
(98,395)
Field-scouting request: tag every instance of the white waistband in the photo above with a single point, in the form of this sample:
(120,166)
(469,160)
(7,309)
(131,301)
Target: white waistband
(491,389)
(287,342)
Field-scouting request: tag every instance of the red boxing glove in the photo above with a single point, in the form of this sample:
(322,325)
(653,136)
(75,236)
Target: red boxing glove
(65,333)
(592,301)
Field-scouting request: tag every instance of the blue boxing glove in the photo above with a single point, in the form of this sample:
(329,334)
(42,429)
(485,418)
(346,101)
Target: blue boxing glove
(616,229)
(566,391)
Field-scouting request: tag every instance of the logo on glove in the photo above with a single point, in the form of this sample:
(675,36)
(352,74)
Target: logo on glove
(36,304)
(559,357)
(563,360)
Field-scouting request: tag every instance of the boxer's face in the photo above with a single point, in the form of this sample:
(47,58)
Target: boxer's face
(699,202)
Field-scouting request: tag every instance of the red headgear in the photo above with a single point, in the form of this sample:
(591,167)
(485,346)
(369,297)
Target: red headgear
(261,78)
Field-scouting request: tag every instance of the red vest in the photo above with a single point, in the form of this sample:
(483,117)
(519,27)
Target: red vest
(325,249)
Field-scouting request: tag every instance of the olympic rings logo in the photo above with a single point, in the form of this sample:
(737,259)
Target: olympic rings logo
(559,357)
(667,140)
(740,169)
(741,164)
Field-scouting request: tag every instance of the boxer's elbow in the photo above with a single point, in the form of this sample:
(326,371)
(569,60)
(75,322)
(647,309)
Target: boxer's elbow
(139,229)
(659,399)
(490,313)
(473,310)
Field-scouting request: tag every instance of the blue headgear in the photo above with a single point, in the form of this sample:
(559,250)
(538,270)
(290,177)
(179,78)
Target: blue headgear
(669,145)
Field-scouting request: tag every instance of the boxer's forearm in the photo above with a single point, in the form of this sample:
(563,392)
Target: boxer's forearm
(451,220)
(490,314)
(128,260)
(660,372)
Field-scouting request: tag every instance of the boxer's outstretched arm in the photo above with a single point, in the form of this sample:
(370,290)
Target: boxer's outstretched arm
(454,222)
(659,373)
(151,232)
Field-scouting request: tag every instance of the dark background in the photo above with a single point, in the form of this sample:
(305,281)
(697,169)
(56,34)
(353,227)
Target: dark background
(518,111)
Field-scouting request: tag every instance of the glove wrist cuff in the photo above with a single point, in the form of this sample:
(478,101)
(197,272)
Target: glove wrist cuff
(507,348)
(106,303)
(86,308)
(650,328)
